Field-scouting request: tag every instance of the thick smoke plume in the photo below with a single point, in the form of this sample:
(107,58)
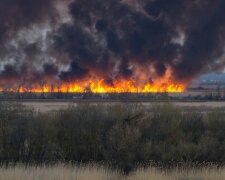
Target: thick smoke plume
(69,40)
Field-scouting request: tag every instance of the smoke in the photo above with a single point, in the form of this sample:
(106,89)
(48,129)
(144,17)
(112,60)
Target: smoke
(111,39)
(17,14)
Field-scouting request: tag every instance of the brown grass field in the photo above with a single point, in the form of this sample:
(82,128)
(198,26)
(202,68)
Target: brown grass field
(45,106)
(92,172)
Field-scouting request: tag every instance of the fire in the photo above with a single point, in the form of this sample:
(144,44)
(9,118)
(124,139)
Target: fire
(100,85)
(121,86)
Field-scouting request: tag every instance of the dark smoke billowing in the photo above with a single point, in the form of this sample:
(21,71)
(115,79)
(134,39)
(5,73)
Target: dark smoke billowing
(66,40)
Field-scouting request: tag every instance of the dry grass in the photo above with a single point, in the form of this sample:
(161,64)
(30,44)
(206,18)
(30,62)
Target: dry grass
(91,172)
(203,174)
(46,106)
(59,172)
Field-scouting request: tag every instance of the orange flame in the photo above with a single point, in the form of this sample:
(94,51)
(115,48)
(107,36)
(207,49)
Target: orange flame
(100,86)
(96,85)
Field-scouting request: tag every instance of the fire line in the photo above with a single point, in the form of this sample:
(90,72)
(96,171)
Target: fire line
(100,86)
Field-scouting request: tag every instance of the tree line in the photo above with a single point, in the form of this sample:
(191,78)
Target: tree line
(121,135)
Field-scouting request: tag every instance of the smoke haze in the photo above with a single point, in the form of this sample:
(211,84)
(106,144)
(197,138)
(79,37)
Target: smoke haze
(69,40)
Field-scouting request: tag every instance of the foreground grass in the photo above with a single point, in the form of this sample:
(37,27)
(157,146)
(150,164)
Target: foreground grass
(58,172)
(62,172)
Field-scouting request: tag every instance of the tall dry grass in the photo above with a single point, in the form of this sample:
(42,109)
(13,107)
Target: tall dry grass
(93,172)
(208,173)
(58,172)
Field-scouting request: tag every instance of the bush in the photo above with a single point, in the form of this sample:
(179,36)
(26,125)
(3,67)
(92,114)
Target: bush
(121,135)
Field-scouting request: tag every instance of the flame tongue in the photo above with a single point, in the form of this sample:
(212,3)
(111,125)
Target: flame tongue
(100,86)
(95,84)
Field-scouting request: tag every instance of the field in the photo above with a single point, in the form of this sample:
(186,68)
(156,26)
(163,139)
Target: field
(45,106)
(93,172)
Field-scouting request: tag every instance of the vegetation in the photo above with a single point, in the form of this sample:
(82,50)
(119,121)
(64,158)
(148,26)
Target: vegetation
(123,136)
(96,172)
(211,95)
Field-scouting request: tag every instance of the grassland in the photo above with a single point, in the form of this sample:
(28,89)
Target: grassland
(94,172)
(46,105)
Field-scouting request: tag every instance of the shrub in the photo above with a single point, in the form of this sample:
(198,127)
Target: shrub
(121,135)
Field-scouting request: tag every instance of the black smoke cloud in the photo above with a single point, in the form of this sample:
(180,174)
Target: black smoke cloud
(111,38)
(16,14)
